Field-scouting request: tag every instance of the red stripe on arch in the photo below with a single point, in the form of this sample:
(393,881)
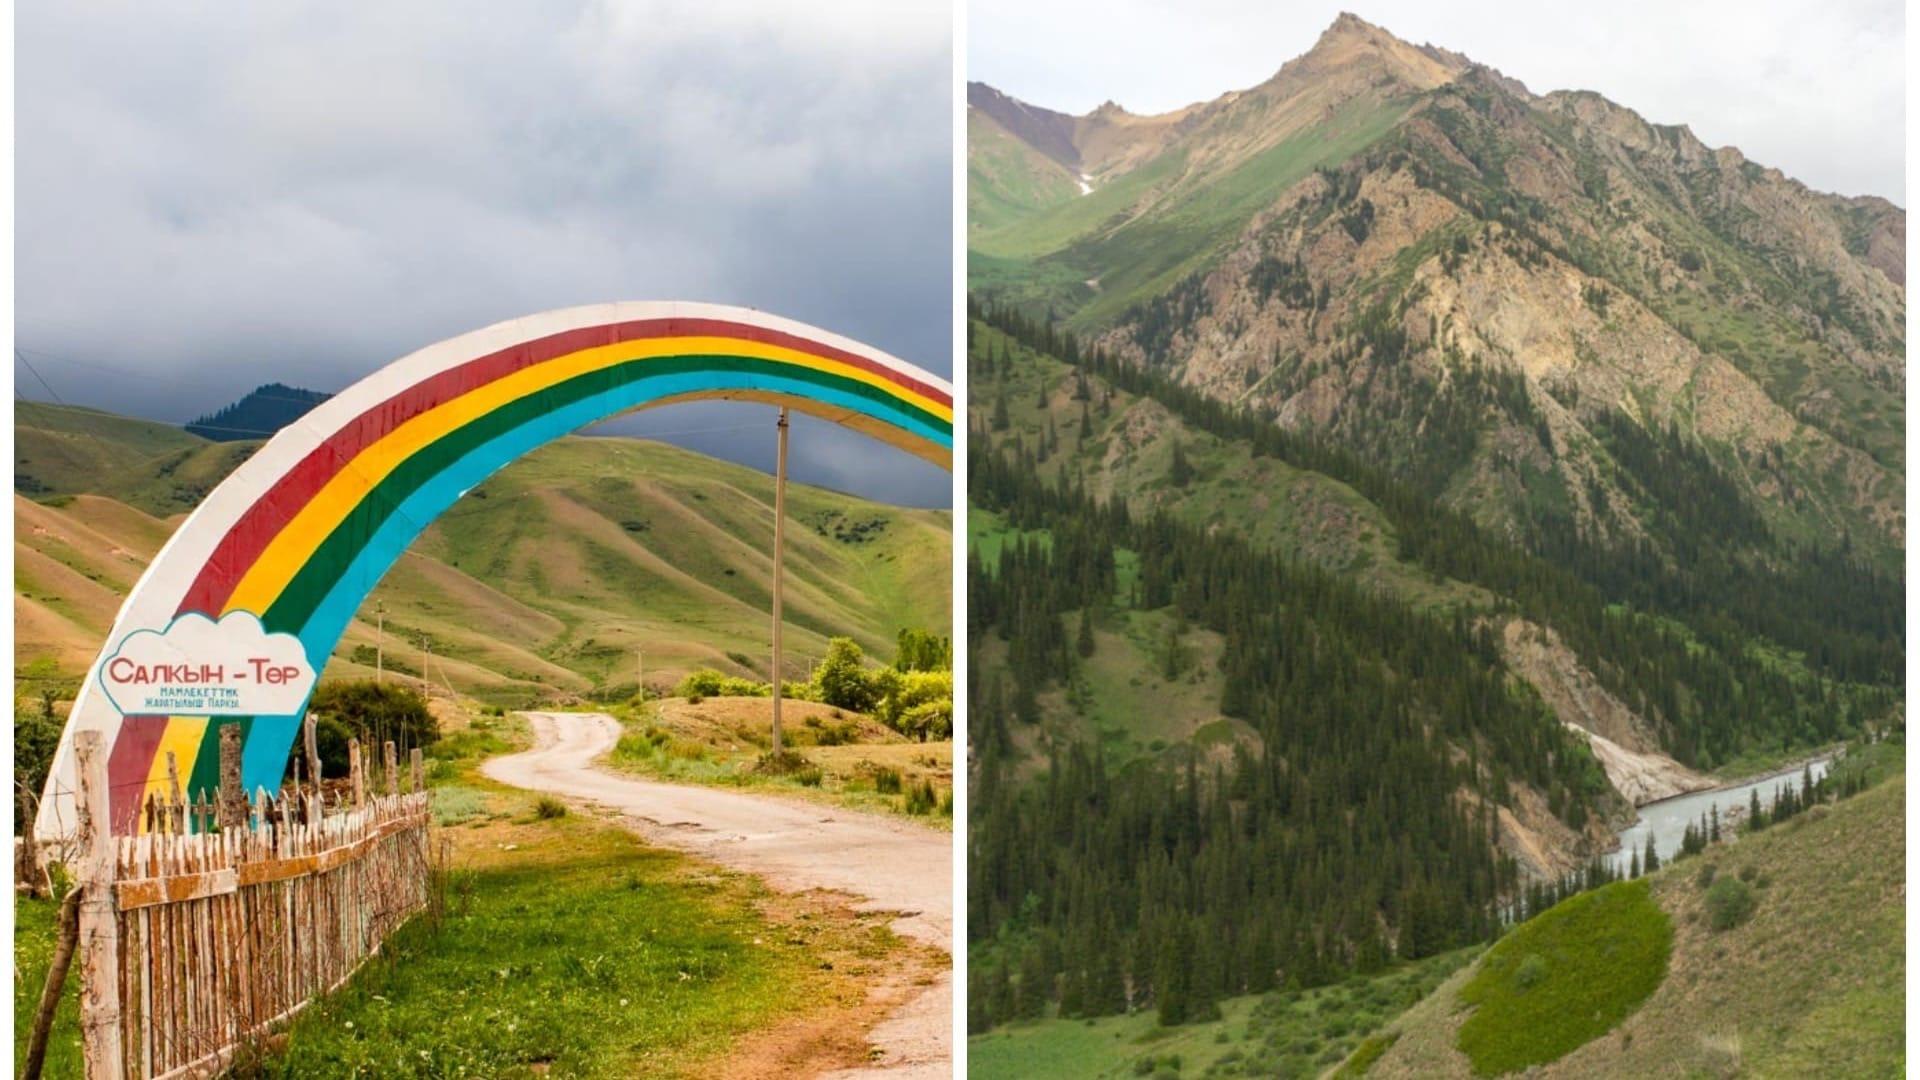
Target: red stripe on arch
(128,766)
(256,528)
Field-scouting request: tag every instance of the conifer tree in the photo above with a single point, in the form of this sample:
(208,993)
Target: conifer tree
(1180,474)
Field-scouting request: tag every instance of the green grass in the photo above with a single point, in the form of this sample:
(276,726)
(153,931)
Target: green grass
(33,934)
(1565,977)
(1812,983)
(591,955)
(1284,1033)
(1007,180)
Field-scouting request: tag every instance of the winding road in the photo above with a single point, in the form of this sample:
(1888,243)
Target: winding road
(892,866)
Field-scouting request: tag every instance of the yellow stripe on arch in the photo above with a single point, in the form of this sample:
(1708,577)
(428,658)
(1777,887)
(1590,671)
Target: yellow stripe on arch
(181,739)
(295,544)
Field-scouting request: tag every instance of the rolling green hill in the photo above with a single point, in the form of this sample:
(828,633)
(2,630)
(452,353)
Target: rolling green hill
(538,585)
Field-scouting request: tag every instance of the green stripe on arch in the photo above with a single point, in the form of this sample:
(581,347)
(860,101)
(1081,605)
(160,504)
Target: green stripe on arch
(206,764)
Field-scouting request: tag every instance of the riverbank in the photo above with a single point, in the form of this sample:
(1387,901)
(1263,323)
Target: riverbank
(1667,820)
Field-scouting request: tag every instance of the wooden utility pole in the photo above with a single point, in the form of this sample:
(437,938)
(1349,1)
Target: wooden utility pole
(380,641)
(779,578)
(99,922)
(426,667)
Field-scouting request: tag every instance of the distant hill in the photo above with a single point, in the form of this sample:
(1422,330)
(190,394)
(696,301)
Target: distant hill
(536,587)
(259,415)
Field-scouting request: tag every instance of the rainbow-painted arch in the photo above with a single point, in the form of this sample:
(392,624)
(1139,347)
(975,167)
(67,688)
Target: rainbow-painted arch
(304,530)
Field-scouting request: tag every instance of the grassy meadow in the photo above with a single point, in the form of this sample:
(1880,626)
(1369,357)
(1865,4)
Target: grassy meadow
(850,759)
(565,947)
(1283,1033)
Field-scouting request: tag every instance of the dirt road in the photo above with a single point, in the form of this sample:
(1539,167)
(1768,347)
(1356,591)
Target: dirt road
(893,866)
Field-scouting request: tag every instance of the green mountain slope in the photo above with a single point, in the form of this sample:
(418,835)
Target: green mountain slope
(1008,180)
(1812,984)
(538,585)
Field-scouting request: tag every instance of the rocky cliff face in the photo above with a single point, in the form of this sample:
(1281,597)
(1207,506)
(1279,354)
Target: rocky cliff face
(1521,275)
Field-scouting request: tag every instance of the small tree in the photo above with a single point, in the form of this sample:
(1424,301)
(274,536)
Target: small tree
(371,712)
(1180,474)
(920,650)
(842,677)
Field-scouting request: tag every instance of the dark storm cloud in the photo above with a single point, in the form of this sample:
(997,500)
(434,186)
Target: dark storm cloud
(211,196)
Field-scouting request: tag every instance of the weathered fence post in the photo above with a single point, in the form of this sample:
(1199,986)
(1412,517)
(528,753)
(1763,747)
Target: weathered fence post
(233,800)
(99,921)
(26,863)
(313,750)
(393,769)
(417,762)
(357,772)
(177,820)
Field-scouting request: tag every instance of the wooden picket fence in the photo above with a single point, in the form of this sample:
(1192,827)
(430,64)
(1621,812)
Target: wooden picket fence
(196,942)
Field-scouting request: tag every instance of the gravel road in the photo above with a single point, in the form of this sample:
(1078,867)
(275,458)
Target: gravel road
(892,866)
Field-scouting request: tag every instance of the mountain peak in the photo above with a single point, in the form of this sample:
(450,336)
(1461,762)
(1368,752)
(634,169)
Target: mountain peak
(1347,24)
(1352,42)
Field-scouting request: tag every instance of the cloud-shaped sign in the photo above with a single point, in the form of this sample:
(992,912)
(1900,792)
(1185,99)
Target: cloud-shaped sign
(199,667)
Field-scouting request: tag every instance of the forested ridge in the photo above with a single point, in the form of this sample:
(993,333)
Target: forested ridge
(1684,632)
(1354,834)
(1360,826)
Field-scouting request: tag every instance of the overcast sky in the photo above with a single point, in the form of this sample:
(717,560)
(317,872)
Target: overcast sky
(215,195)
(1813,87)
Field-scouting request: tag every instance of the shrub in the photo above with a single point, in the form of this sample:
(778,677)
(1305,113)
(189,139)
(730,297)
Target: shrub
(887,781)
(1530,972)
(1705,877)
(1730,902)
(703,683)
(548,808)
(922,798)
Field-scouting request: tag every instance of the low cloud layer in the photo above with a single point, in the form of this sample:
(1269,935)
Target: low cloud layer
(1816,89)
(211,196)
